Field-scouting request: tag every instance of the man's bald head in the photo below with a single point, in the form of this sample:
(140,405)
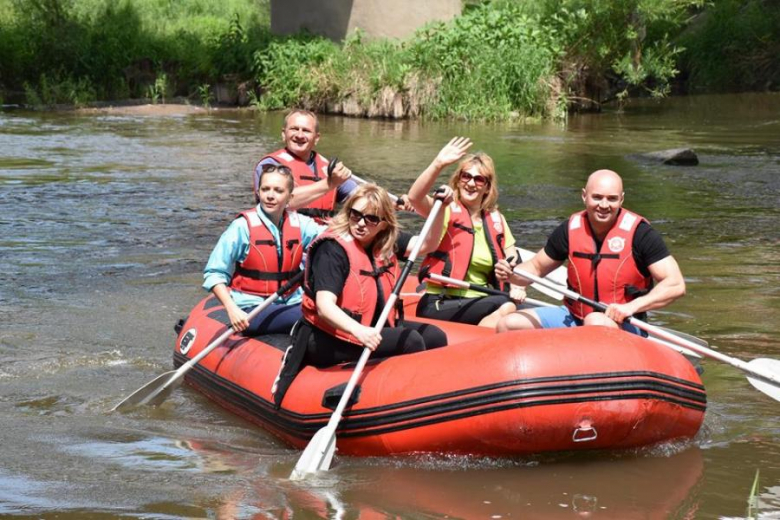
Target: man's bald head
(603,198)
(605,181)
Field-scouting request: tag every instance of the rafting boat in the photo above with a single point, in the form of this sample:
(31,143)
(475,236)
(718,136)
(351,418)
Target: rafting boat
(483,394)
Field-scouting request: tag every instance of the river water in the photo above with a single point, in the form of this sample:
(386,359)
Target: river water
(106,220)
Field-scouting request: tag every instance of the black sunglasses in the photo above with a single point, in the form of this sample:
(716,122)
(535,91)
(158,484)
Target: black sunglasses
(371,220)
(276,168)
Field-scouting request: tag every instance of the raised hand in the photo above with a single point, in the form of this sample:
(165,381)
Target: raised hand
(453,151)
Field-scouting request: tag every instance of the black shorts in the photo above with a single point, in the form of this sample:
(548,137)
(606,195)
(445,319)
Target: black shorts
(324,350)
(461,310)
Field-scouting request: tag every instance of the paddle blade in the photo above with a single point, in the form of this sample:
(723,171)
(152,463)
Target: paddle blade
(771,368)
(151,390)
(318,455)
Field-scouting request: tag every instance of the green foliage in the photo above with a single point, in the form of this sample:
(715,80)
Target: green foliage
(204,93)
(752,511)
(117,45)
(627,38)
(59,90)
(490,62)
(290,71)
(159,90)
(734,45)
(499,59)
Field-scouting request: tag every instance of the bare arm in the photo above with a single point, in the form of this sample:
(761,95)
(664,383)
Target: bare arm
(328,309)
(238,318)
(418,193)
(431,242)
(670,285)
(540,265)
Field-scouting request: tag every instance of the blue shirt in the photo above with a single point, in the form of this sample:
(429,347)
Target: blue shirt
(342,192)
(233,247)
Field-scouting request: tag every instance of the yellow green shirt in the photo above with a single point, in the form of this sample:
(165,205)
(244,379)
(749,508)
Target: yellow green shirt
(481,265)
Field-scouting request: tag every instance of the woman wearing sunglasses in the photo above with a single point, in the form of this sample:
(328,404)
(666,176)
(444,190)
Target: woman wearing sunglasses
(260,250)
(475,237)
(351,271)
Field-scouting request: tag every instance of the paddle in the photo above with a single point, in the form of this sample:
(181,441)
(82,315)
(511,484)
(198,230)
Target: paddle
(158,390)
(765,372)
(446,280)
(396,200)
(560,276)
(319,452)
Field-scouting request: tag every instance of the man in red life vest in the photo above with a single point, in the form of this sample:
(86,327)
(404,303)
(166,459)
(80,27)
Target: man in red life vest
(614,256)
(316,194)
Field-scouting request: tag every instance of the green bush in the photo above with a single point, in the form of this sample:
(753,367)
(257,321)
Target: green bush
(733,46)
(491,61)
(102,42)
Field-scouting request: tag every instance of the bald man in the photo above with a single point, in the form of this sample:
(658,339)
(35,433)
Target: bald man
(614,257)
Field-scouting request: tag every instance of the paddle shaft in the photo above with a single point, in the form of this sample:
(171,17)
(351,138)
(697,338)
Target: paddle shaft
(151,391)
(481,288)
(336,417)
(659,332)
(295,280)
(318,453)
(396,200)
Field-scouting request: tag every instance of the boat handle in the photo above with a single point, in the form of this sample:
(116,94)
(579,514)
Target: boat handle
(584,433)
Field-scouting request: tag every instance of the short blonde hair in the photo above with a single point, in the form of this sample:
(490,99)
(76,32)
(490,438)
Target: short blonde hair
(485,167)
(302,112)
(380,204)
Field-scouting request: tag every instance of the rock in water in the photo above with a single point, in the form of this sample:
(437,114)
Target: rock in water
(676,157)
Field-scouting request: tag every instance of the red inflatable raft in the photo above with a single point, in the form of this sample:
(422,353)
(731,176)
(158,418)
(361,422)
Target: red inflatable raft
(484,394)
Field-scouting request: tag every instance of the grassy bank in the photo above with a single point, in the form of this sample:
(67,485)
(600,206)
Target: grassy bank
(500,59)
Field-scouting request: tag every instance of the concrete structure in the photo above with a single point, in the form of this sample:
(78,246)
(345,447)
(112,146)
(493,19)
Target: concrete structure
(376,18)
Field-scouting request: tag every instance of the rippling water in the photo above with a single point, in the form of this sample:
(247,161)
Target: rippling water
(106,221)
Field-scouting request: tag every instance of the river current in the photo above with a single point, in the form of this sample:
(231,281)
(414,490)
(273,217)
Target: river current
(107,219)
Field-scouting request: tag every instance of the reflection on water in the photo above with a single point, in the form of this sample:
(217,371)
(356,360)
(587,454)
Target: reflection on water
(107,220)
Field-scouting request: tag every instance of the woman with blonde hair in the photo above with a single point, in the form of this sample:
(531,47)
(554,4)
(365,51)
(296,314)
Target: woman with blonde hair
(351,270)
(475,236)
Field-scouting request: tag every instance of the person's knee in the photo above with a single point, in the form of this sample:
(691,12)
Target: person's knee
(598,318)
(507,309)
(434,337)
(411,341)
(517,321)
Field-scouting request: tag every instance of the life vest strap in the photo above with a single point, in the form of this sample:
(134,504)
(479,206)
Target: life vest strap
(469,230)
(595,258)
(255,274)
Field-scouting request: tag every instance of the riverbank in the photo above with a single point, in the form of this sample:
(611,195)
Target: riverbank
(499,60)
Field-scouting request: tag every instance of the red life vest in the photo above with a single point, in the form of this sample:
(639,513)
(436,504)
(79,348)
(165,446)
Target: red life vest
(321,208)
(609,275)
(263,272)
(453,256)
(367,287)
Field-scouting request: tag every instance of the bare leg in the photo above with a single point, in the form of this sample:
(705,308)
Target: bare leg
(491,320)
(599,318)
(520,320)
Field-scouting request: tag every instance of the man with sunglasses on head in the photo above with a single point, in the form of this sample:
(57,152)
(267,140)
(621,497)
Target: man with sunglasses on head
(614,257)
(316,194)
